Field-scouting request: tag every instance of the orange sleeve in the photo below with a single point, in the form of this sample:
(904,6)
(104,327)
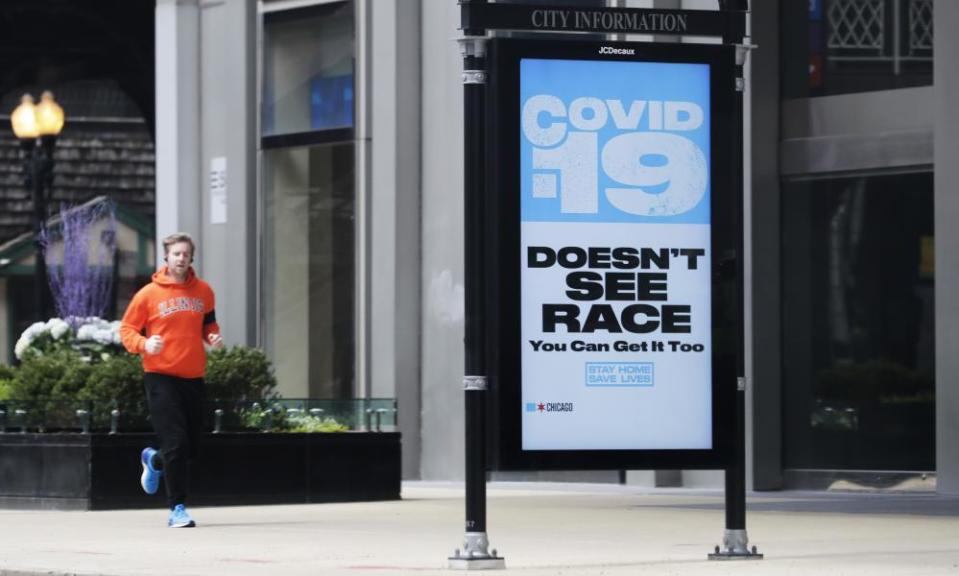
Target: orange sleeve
(134,320)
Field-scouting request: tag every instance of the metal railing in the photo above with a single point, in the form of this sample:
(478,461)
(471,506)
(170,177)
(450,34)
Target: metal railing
(220,416)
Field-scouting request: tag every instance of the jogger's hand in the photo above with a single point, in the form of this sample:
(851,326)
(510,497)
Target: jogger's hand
(154,344)
(215,340)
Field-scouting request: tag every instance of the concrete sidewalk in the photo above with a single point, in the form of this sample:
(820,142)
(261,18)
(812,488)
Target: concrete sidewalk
(540,529)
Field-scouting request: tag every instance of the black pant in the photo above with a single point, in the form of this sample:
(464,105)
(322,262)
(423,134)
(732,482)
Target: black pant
(176,410)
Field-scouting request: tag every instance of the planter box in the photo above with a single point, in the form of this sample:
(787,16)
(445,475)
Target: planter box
(101,471)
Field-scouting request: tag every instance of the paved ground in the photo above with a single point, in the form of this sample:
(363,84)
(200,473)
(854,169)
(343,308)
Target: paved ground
(540,529)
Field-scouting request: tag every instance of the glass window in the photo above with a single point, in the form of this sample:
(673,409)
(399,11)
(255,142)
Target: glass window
(858,323)
(308,69)
(843,46)
(308,268)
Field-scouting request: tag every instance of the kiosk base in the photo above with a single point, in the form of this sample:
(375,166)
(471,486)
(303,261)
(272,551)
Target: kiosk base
(475,556)
(735,547)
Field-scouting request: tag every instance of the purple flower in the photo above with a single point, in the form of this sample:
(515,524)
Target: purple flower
(82,284)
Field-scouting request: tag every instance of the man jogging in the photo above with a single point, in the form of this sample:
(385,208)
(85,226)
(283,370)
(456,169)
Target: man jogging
(167,323)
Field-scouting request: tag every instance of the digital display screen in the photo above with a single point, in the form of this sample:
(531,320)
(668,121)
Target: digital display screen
(615,255)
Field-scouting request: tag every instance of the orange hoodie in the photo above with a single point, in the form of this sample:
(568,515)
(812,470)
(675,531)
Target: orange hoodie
(182,314)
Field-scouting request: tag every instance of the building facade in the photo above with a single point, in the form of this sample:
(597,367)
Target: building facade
(315,149)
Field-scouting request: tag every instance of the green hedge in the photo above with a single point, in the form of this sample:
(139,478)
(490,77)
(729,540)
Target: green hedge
(239,373)
(65,366)
(62,374)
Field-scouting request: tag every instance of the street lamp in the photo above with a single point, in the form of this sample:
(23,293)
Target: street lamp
(37,127)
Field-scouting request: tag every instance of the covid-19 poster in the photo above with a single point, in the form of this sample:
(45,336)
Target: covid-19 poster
(614,227)
(615,255)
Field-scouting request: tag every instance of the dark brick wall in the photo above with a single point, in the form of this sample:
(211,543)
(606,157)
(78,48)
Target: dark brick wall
(114,159)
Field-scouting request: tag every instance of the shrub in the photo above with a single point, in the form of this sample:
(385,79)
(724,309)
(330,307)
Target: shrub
(79,362)
(57,374)
(307,423)
(46,387)
(7,374)
(239,373)
(276,419)
(116,381)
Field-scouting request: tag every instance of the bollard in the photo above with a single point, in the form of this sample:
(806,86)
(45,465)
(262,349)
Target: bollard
(22,416)
(114,420)
(84,417)
(293,412)
(379,416)
(369,419)
(268,420)
(3,421)
(217,420)
(256,408)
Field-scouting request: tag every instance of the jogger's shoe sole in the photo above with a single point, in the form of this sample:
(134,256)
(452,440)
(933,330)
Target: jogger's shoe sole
(149,478)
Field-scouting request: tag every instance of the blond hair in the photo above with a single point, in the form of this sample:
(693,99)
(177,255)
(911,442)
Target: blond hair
(176,238)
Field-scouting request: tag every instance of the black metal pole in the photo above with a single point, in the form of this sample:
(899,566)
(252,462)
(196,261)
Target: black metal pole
(42,176)
(475,365)
(735,539)
(40,265)
(736,476)
(34,182)
(475,548)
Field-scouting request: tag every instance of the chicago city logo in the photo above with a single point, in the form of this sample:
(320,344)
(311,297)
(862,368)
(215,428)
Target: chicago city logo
(549,406)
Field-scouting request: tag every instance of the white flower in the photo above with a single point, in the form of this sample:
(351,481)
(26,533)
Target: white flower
(99,331)
(104,356)
(34,330)
(26,339)
(85,332)
(58,328)
(92,329)
(102,336)
(20,347)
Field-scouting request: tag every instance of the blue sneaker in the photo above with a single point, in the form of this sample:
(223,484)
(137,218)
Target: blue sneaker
(150,479)
(179,518)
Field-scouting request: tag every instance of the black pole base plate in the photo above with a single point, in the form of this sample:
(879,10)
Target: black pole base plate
(477,563)
(736,554)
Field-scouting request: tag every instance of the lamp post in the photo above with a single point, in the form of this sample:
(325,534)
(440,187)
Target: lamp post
(37,127)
